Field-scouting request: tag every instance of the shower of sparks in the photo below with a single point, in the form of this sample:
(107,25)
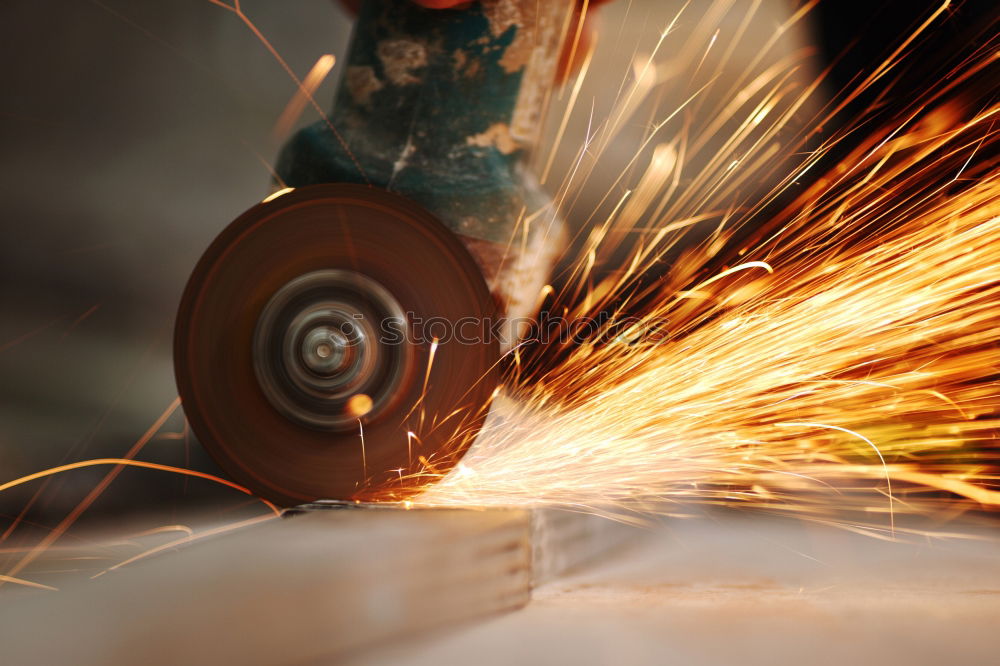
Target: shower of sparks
(841,363)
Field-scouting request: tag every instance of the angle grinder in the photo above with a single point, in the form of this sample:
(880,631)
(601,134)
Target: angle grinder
(341,339)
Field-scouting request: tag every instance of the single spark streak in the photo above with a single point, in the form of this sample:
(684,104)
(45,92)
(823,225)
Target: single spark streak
(279,193)
(734,269)
(888,480)
(430,364)
(186,540)
(364,460)
(577,85)
(266,164)
(157,39)
(581,22)
(164,528)
(30,334)
(297,104)
(126,462)
(966,163)
(236,9)
(419,402)
(27,583)
(701,62)
(79,320)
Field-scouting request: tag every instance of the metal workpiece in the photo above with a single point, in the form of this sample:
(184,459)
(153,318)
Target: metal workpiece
(335,580)
(441,106)
(316,587)
(561,540)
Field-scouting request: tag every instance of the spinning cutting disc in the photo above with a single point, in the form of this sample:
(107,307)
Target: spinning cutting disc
(304,346)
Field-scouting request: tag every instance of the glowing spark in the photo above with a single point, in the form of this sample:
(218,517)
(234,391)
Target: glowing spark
(711,43)
(274,195)
(888,478)
(305,92)
(364,459)
(359,404)
(125,462)
(163,528)
(96,492)
(27,336)
(735,269)
(79,320)
(881,317)
(237,9)
(580,23)
(410,436)
(26,583)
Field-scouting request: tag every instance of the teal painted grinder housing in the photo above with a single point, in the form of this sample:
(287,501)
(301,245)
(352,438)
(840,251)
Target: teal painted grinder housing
(442,106)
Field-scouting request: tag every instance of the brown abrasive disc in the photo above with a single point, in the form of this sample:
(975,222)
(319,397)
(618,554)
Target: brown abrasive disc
(305,351)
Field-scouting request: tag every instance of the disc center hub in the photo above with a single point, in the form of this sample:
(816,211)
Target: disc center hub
(317,344)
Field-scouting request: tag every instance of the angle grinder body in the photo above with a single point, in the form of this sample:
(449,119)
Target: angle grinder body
(340,340)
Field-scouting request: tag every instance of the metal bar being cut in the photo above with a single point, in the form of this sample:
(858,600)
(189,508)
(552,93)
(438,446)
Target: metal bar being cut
(310,587)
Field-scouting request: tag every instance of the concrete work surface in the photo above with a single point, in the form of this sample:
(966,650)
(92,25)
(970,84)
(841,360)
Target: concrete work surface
(432,587)
(746,590)
(319,586)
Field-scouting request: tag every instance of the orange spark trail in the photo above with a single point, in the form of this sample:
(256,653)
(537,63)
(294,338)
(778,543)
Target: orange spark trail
(125,462)
(30,334)
(852,380)
(94,493)
(297,104)
(26,583)
(79,320)
(236,9)
(83,443)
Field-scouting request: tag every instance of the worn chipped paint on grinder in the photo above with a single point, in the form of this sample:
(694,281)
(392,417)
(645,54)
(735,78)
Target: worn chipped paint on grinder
(442,106)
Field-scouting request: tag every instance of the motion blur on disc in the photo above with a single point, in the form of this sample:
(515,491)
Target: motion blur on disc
(304,346)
